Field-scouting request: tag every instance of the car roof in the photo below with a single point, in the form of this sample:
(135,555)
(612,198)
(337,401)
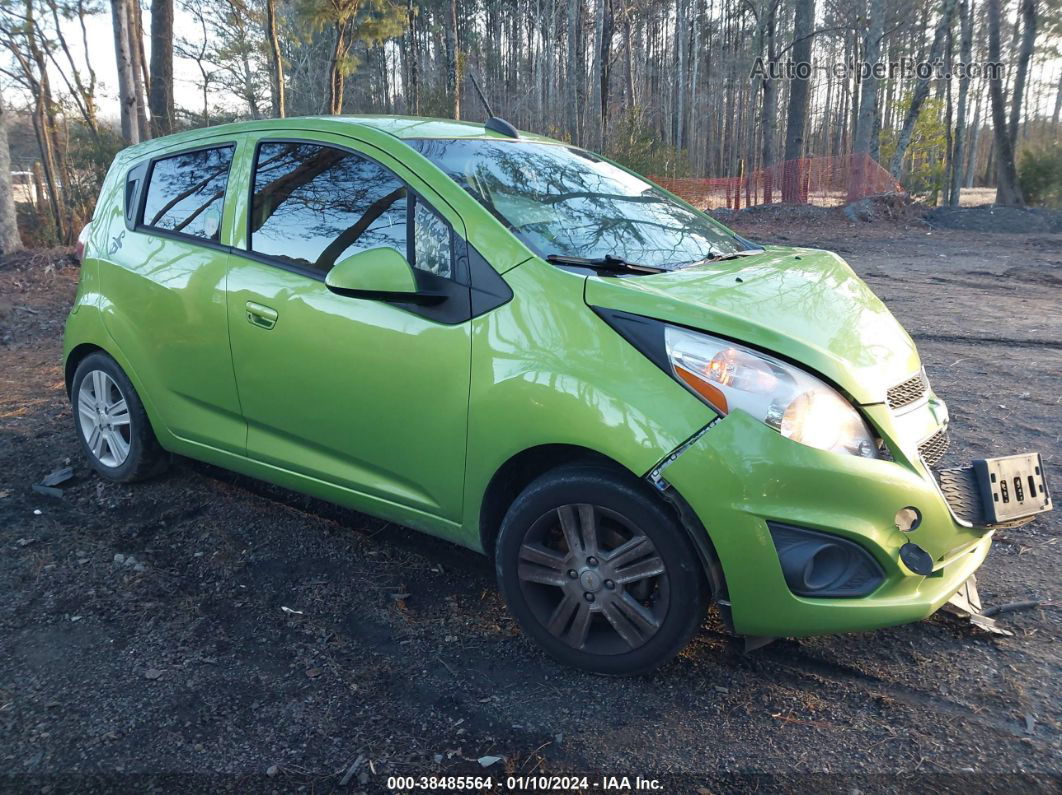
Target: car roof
(426,127)
(393,127)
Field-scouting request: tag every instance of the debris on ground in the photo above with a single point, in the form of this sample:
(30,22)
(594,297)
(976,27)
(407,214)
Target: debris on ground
(966,603)
(48,484)
(355,765)
(1010,607)
(58,477)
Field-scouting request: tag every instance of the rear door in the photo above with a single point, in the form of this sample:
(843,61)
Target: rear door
(163,279)
(363,394)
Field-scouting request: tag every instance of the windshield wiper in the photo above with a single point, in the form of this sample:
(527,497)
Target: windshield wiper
(607,263)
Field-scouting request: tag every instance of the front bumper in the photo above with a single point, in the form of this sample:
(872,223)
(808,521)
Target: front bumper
(739,474)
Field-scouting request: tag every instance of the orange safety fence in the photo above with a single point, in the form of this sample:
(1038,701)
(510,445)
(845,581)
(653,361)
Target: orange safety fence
(809,180)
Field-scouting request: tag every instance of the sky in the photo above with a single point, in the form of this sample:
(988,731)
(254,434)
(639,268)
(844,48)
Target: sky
(187,93)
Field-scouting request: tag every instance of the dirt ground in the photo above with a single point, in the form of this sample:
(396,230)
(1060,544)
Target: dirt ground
(205,631)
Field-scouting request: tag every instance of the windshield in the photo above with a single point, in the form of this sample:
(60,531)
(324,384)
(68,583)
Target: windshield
(567,202)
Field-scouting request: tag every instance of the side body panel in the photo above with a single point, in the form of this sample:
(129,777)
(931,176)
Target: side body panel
(547,370)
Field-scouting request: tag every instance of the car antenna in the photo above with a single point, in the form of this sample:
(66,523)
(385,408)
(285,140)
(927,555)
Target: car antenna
(494,123)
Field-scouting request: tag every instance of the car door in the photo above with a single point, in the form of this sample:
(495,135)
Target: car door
(163,276)
(364,394)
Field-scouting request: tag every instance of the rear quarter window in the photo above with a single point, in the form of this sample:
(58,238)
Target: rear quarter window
(186,192)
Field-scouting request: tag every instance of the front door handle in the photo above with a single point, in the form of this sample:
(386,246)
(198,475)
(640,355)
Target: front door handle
(261,316)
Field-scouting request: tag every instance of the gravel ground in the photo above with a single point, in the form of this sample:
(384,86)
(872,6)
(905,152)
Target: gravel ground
(206,631)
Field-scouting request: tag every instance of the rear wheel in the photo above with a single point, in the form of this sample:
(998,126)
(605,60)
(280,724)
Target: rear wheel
(111,422)
(598,572)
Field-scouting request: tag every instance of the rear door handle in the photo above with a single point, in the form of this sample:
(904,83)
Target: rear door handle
(261,316)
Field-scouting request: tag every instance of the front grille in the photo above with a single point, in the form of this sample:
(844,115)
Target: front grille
(934,448)
(910,391)
(959,487)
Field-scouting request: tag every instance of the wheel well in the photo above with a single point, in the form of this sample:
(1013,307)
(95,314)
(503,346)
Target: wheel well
(517,473)
(74,359)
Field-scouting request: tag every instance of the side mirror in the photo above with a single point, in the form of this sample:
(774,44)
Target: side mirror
(377,273)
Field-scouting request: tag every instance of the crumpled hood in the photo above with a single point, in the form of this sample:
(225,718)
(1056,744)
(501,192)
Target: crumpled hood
(805,304)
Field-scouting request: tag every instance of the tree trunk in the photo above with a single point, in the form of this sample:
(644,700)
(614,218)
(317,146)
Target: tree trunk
(768,110)
(453,82)
(1028,40)
(135,30)
(797,112)
(335,71)
(966,10)
(1058,102)
(1008,191)
(413,54)
(605,65)
(571,68)
(921,91)
(868,94)
(160,97)
(9,236)
(679,104)
(975,137)
(629,62)
(127,97)
(276,61)
(44,127)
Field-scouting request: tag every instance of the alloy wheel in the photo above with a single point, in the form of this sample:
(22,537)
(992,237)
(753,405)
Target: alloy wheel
(593,579)
(103,415)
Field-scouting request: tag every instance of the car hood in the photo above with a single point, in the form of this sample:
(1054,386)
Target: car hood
(805,304)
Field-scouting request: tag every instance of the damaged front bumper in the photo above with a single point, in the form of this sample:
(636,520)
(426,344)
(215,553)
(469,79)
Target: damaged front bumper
(738,476)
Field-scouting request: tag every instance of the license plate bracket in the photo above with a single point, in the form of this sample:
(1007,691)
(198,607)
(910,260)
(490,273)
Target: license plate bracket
(1012,487)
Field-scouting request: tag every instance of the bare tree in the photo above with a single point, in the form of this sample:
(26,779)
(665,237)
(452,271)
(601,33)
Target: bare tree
(10,240)
(1008,191)
(140,73)
(604,62)
(276,60)
(160,98)
(127,96)
(966,10)
(868,96)
(1028,41)
(921,91)
(797,112)
(572,68)
(453,82)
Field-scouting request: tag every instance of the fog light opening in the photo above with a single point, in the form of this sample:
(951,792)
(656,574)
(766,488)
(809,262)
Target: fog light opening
(908,519)
(826,566)
(818,564)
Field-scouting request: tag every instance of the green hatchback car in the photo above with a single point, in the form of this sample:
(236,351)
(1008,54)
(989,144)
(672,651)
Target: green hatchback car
(524,348)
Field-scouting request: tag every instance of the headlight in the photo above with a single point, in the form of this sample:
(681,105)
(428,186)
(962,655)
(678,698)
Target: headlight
(785,398)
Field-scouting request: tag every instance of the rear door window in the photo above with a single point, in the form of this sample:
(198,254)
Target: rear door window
(186,192)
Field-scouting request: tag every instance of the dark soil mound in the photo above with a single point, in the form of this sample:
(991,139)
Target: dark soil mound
(996,219)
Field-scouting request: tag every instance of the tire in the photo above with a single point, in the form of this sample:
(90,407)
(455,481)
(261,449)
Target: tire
(111,423)
(622,598)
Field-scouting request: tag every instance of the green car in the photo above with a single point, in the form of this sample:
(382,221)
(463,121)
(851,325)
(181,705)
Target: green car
(524,348)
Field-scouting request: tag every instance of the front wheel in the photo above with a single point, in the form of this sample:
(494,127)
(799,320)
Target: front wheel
(598,572)
(112,425)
